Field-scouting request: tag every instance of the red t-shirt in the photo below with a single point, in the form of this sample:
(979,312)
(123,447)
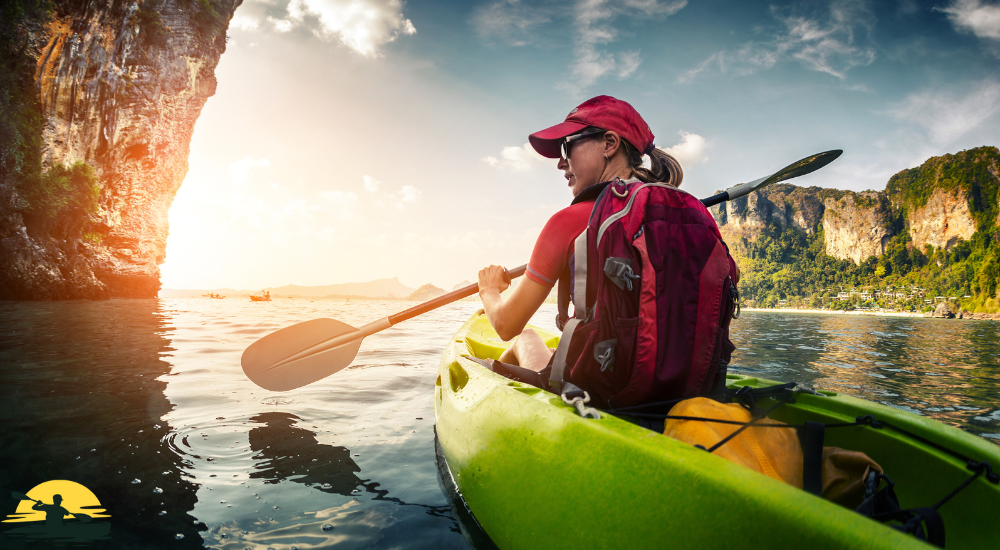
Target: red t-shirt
(554,247)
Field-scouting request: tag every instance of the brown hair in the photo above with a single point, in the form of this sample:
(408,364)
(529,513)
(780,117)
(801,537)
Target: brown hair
(662,166)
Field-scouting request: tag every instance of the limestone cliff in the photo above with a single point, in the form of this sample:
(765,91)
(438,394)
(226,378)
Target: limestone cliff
(943,221)
(857,225)
(118,85)
(940,203)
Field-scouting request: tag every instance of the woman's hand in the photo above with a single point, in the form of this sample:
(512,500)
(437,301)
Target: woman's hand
(493,280)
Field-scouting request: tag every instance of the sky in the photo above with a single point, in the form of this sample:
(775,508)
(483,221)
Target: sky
(353,140)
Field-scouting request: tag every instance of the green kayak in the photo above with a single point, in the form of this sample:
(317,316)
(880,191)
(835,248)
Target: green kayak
(535,474)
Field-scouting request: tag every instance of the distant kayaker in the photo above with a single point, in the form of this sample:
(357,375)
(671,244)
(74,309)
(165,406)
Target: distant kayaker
(602,139)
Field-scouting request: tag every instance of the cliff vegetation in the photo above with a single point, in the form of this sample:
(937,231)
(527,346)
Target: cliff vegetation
(931,236)
(98,100)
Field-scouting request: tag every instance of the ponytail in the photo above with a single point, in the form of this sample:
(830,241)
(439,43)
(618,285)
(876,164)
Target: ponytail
(663,167)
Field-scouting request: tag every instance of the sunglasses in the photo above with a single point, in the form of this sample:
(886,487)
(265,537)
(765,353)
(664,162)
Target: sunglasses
(567,142)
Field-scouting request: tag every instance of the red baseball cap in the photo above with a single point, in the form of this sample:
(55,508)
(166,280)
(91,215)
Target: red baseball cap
(603,112)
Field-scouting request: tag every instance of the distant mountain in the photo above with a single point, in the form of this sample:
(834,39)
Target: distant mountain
(380,288)
(426,292)
(462,284)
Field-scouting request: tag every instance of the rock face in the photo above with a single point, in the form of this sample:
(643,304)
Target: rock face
(783,205)
(940,203)
(857,225)
(942,311)
(943,221)
(120,85)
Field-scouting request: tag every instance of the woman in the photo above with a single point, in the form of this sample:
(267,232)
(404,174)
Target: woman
(602,139)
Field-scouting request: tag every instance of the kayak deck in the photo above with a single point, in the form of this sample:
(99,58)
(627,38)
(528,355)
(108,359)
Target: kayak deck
(535,474)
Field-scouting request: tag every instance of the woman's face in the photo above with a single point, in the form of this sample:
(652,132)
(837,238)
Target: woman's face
(586,163)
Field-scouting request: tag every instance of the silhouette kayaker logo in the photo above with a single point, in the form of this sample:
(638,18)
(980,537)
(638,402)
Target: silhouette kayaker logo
(60,511)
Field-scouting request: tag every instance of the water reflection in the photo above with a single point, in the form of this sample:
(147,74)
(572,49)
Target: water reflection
(284,451)
(947,369)
(347,461)
(144,403)
(82,401)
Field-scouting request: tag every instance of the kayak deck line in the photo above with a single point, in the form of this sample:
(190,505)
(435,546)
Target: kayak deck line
(536,474)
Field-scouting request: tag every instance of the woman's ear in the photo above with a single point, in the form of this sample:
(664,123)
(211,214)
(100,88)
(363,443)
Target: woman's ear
(611,144)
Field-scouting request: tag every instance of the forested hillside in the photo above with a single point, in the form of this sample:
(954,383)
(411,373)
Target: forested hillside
(919,250)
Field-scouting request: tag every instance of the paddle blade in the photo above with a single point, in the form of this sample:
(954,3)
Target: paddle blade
(83,517)
(262,361)
(20,496)
(807,165)
(798,168)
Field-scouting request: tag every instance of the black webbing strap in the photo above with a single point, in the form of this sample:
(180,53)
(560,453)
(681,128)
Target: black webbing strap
(737,432)
(882,505)
(812,457)
(515,372)
(777,391)
(925,523)
(879,504)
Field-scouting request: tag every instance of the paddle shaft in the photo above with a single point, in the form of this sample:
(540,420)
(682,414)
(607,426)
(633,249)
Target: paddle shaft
(21,496)
(444,299)
(386,322)
(346,335)
(430,305)
(512,274)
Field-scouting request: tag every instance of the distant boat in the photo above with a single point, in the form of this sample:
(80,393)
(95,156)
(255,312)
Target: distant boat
(213,296)
(265,298)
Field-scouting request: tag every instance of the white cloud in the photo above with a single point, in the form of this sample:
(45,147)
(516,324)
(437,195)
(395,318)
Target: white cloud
(691,149)
(947,115)
(509,20)
(516,158)
(244,23)
(407,195)
(342,205)
(628,63)
(362,25)
(824,42)
(982,20)
(595,28)
(240,170)
(371,184)
(688,76)
(280,25)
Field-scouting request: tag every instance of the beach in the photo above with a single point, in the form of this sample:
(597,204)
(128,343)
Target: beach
(837,312)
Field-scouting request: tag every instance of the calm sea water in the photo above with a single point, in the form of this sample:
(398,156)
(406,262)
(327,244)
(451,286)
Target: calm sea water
(144,403)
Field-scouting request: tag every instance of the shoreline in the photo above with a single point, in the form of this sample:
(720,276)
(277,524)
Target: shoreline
(836,312)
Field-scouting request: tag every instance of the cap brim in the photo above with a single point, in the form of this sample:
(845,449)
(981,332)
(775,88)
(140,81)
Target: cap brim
(546,141)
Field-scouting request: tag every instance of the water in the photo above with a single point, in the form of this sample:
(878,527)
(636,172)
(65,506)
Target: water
(145,404)
(946,369)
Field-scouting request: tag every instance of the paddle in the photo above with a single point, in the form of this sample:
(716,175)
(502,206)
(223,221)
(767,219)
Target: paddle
(798,168)
(21,496)
(306,352)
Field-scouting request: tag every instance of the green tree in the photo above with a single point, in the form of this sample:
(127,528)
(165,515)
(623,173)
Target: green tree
(60,200)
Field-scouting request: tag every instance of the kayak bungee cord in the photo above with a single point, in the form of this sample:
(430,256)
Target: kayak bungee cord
(912,518)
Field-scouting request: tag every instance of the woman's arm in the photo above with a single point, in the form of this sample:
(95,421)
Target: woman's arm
(509,316)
